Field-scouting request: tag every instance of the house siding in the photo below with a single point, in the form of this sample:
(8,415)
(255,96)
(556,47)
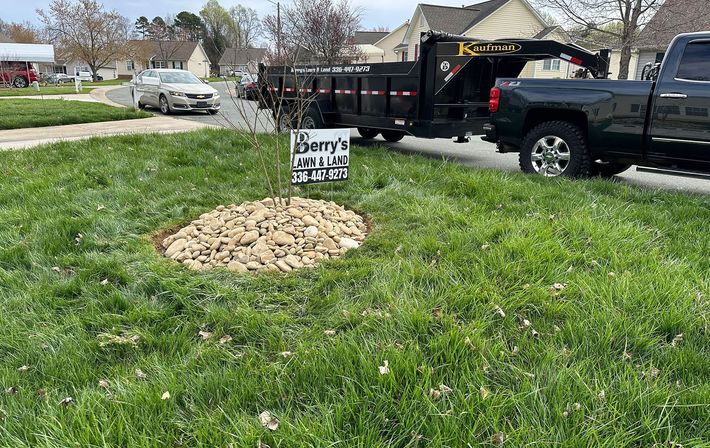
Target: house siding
(198,63)
(389,43)
(418,26)
(643,58)
(513,19)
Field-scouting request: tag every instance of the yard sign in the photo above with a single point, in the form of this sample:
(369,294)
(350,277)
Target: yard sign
(320,155)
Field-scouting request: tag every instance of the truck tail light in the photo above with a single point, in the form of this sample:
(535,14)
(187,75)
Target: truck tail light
(494,100)
(250,85)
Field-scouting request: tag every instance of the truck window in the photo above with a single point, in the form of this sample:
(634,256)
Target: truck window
(695,64)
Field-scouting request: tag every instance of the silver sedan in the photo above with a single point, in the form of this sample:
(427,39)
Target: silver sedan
(171,90)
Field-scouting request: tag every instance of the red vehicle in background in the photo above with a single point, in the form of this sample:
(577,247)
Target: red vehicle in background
(16,73)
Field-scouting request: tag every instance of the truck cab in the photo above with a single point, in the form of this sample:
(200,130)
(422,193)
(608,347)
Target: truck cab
(576,128)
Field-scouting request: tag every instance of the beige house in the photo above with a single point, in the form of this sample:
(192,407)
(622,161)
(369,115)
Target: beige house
(492,19)
(245,60)
(182,55)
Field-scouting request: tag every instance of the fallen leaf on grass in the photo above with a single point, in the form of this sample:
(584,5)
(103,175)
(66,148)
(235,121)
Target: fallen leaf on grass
(140,375)
(441,391)
(435,394)
(535,334)
(11,390)
(286,354)
(268,421)
(103,384)
(499,311)
(498,439)
(261,444)
(611,274)
(204,334)
(525,323)
(106,339)
(329,332)
(677,340)
(470,343)
(436,312)
(68,401)
(23,368)
(627,356)
(483,392)
(100,207)
(384,369)
(165,396)
(224,339)
(104,282)
(41,394)
(79,238)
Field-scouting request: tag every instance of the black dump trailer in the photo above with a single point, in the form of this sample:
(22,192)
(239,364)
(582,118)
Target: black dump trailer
(444,94)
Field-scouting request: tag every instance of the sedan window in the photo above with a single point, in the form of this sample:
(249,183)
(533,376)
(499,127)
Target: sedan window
(179,78)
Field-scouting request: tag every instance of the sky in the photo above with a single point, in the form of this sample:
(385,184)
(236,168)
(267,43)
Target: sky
(387,13)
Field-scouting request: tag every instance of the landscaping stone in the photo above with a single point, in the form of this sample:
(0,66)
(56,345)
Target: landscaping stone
(267,236)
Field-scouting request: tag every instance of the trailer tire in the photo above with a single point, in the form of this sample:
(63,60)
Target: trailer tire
(392,136)
(555,148)
(608,169)
(283,121)
(311,119)
(367,133)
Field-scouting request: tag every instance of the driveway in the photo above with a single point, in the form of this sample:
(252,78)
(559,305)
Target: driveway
(477,153)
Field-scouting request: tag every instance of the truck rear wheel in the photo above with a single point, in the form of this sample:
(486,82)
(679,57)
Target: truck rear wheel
(367,132)
(604,169)
(555,148)
(392,136)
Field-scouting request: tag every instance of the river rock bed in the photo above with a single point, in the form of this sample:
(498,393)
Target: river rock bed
(266,236)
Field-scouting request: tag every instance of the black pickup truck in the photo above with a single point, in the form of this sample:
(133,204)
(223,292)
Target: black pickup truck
(602,127)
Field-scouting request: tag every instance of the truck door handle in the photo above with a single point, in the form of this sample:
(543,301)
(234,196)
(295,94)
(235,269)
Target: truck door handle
(674,95)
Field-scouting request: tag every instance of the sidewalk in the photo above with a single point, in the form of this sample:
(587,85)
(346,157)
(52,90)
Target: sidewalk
(94,95)
(28,137)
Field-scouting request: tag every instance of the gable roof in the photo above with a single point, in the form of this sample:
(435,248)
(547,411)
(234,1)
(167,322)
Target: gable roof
(674,17)
(234,56)
(173,50)
(368,37)
(546,31)
(457,20)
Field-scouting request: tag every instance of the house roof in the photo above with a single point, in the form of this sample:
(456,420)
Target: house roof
(457,20)
(173,50)
(368,37)
(234,56)
(674,17)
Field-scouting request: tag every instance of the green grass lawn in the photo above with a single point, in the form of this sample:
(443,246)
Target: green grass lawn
(48,90)
(230,79)
(604,366)
(33,113)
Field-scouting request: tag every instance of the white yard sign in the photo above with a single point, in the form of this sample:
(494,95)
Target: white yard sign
(321,155)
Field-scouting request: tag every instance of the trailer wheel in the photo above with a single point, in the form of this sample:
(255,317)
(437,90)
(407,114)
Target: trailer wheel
(555,148)
(367,132)
(392,136)
(283,122)
(311,119)
(609,169)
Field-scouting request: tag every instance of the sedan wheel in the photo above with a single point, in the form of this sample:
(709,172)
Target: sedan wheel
(550,156)
(164,106)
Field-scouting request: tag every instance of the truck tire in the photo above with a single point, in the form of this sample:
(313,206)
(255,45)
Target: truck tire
(20,82)
(392,136)
(608,169)
(367,133)
(555,148)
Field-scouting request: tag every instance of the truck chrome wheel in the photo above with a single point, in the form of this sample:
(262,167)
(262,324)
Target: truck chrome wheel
(550,156)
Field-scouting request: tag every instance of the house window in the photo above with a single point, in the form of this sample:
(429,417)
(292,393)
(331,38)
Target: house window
(177,65)
(552,65)
(129,66)
(159,64)
(405,56)
(416,51)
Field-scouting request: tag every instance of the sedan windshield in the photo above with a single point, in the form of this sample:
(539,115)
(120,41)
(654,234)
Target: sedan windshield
(179,78)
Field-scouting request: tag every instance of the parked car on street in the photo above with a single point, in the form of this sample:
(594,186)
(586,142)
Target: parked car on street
(59,78)
(171,90)
(602,127)
(16,73)
(247,87)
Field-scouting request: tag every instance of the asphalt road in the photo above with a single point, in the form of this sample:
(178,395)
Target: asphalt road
(476,153)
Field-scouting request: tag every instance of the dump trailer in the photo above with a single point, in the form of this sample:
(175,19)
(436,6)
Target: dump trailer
(444,94)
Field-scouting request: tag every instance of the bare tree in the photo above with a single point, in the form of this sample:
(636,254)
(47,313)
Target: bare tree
(325,28)
(620,20)
(22,33)
(86,32)
(245,27)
